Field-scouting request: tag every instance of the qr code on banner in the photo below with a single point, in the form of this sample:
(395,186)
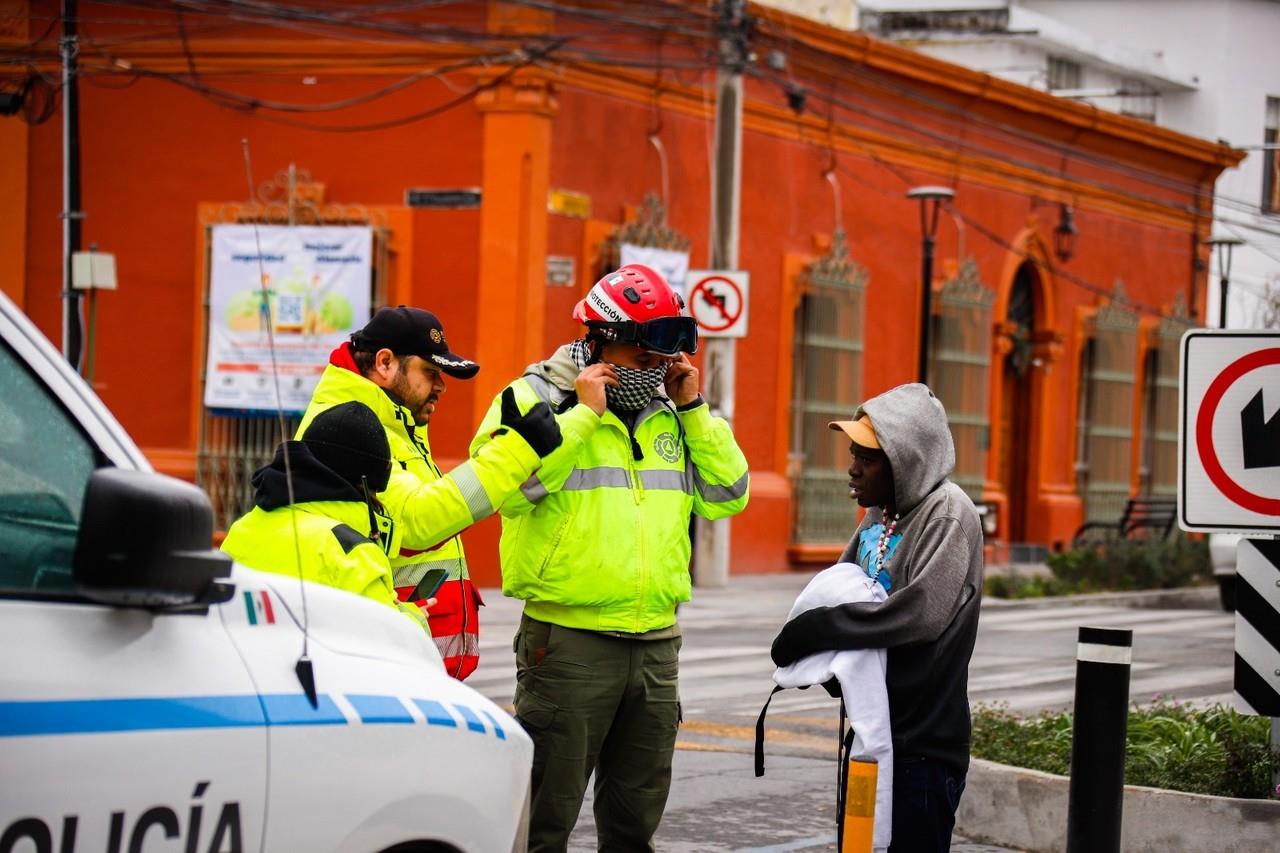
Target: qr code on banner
(289,310)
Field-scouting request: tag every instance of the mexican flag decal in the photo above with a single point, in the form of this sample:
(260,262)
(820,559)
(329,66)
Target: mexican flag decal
(259,606)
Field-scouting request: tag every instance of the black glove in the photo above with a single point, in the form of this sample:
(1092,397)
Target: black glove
(538,426)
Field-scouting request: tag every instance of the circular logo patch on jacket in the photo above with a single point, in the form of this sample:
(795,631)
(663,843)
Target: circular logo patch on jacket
(667,447)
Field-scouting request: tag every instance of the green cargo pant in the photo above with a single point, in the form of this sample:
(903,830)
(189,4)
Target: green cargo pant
(593,701)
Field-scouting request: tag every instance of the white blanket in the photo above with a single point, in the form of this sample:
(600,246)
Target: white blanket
(861,674)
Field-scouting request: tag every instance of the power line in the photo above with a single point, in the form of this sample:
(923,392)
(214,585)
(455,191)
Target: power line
(883,81)
(969,221)
(529,58)
(339,18)
(1068,152)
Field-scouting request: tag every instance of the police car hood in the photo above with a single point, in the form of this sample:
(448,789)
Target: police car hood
(336,619)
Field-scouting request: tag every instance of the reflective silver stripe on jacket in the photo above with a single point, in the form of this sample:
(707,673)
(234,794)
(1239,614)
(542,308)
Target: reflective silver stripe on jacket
(533,490)
(468,483)
(711,493)
(458,645)
(410,574)
(604,477)
(583,479)
(667,480)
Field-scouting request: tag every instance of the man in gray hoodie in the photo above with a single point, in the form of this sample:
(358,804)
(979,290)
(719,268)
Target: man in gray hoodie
(921,538)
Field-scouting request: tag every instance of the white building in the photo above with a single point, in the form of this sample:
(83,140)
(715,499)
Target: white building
(1203,67)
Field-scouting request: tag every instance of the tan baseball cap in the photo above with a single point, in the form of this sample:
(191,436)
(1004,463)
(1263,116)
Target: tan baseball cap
(860,432)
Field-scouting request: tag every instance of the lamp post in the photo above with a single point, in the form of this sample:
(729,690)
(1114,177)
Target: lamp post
(1223,247)
(931,199)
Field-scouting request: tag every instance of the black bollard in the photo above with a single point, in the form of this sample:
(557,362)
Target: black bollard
(1096,797)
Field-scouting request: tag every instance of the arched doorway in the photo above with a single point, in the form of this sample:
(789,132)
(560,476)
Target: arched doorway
(1017,400)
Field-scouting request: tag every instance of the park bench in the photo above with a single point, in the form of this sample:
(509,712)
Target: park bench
(1143,516)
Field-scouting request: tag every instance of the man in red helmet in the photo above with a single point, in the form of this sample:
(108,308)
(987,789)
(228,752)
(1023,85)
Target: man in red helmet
(596,542)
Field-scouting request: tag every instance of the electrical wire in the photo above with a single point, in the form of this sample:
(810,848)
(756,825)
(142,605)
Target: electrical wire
(1058,271)
(1068,151)
(411,118)
(917,94)
(227,97)
(615,13)
(337,20)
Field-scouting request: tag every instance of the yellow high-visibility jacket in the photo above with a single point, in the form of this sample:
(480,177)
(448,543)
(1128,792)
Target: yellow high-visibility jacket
(599,539)
(333,546)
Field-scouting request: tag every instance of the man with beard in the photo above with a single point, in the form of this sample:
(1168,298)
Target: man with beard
(597,545)
(396,366)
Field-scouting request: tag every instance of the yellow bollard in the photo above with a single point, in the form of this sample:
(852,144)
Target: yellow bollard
(859,805)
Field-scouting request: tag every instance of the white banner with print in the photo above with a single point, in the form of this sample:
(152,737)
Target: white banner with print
(318,282)
(673,265)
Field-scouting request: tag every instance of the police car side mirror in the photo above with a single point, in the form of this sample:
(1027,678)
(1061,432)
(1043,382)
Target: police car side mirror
(146,541)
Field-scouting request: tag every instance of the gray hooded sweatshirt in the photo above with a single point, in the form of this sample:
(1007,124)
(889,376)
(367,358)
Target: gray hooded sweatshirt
(930,619)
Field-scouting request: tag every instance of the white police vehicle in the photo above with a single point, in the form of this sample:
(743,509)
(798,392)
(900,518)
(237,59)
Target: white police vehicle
(148,698)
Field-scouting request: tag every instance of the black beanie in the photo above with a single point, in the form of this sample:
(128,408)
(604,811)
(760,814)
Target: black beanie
(349,440)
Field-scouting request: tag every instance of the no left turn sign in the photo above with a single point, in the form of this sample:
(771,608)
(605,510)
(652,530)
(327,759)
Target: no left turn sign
(1229,432)
(718,302)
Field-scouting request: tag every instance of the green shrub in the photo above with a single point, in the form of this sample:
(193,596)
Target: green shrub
(1118,564)
(1201,751)
(1025,586)
(1134,564)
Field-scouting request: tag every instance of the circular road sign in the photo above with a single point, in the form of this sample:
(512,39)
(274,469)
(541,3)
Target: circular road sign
(716,303)
(1204,432)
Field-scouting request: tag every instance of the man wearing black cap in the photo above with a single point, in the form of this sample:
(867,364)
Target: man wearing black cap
(334,531)
(396,366)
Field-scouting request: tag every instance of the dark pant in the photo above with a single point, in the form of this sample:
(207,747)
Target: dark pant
(926,794)
(597,702)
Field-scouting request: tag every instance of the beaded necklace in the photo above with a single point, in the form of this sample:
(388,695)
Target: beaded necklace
(882,546)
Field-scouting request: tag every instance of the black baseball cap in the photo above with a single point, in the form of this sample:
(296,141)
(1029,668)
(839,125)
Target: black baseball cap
(412,331)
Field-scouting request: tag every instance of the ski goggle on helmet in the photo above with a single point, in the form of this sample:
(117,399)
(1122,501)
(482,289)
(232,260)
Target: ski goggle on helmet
(636,306)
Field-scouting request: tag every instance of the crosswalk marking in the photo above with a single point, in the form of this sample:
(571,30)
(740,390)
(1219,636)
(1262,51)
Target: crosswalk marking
(1003,680)
(1024,658)
(1129,619)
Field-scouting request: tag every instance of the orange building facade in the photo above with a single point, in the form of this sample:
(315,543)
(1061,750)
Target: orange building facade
(1056,369)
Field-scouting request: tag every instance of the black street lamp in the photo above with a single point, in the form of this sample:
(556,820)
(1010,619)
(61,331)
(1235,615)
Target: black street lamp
(1064,236)
(1064,233)
(1224,246)
(931,199)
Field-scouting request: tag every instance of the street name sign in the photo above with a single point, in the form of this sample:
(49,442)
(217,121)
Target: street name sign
(1229,432)
(717,302)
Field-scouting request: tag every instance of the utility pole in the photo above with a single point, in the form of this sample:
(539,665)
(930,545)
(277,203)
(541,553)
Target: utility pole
(711,538)
(69,47)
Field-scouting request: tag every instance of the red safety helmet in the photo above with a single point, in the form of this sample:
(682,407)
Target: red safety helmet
(635,305)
